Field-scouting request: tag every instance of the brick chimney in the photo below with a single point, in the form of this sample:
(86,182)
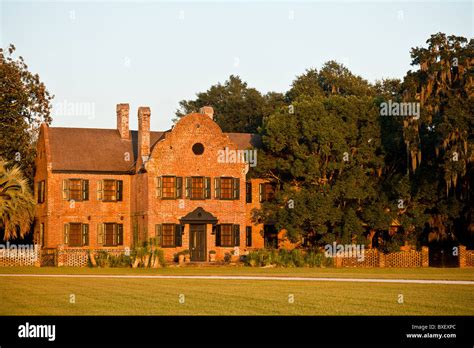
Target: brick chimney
(143,133)
(207,110)
(122,120)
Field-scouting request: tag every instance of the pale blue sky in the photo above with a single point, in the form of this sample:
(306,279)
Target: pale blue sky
(158,53)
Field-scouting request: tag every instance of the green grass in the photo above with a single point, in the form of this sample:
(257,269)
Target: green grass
(50,296)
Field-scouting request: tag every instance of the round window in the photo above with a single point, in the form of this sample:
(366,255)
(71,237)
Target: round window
(198,149)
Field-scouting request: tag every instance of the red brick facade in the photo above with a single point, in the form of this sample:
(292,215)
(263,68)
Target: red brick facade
(144,182)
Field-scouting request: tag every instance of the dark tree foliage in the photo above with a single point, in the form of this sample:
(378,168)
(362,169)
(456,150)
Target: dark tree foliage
(237,108)
(24,105)
(414,173)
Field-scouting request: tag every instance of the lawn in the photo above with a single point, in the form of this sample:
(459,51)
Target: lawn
(51,296)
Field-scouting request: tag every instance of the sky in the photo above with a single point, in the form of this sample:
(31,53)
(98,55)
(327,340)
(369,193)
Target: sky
(93,55)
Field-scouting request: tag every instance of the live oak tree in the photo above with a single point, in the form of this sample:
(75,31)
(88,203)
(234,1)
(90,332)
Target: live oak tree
(24,105)
(327,158)
(389,180)
(237,107)
(324,151)
(439,146)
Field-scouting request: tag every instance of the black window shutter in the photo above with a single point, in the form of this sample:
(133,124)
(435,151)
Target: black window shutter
(248,192)
(236,235)
(119,234)
(85,234)
(261,187)
(248,236)
(66,234)
(179,187)
(66,189)
(178,236)
(236,188)
(119,190)
(188,187)
(207,188)
(158,234)
(41,192)
(85,190)
(158,187)
(217,188)
(218,235)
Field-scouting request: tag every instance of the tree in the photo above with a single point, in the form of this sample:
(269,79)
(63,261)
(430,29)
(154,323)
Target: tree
(333,78)
(327,158)
(440,144)
(16,203)
(237,108)
(24,105)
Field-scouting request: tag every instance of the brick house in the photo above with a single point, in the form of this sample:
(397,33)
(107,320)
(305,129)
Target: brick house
(115,188)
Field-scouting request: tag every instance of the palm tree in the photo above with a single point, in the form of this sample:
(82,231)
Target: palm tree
(17,205)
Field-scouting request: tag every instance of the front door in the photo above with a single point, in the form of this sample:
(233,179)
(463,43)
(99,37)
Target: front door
(197,242)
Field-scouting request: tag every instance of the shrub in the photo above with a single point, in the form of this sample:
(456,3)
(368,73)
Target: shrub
(101,258)
(161,257)
(298,258)
(119,261)
(315,259)
(286,258)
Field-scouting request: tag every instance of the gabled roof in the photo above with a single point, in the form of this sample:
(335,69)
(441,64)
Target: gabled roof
(94,150)
(199,215)
(245,140)
(102,150)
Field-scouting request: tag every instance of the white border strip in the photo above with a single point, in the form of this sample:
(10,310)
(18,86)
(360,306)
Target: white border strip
(223,277)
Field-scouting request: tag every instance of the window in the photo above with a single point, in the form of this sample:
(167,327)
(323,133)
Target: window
(248,236)
(75,190)
(248,192)
(41,234)
(227,188)
(169,235)
(110,234)
(110,190)
(227,235)
(169,187)
(267,192)
(270,236)
(76,234)
(41,190)
(168,239)
(198,149)
(198,187)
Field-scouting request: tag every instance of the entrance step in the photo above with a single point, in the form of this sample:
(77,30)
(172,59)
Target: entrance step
(207,264)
